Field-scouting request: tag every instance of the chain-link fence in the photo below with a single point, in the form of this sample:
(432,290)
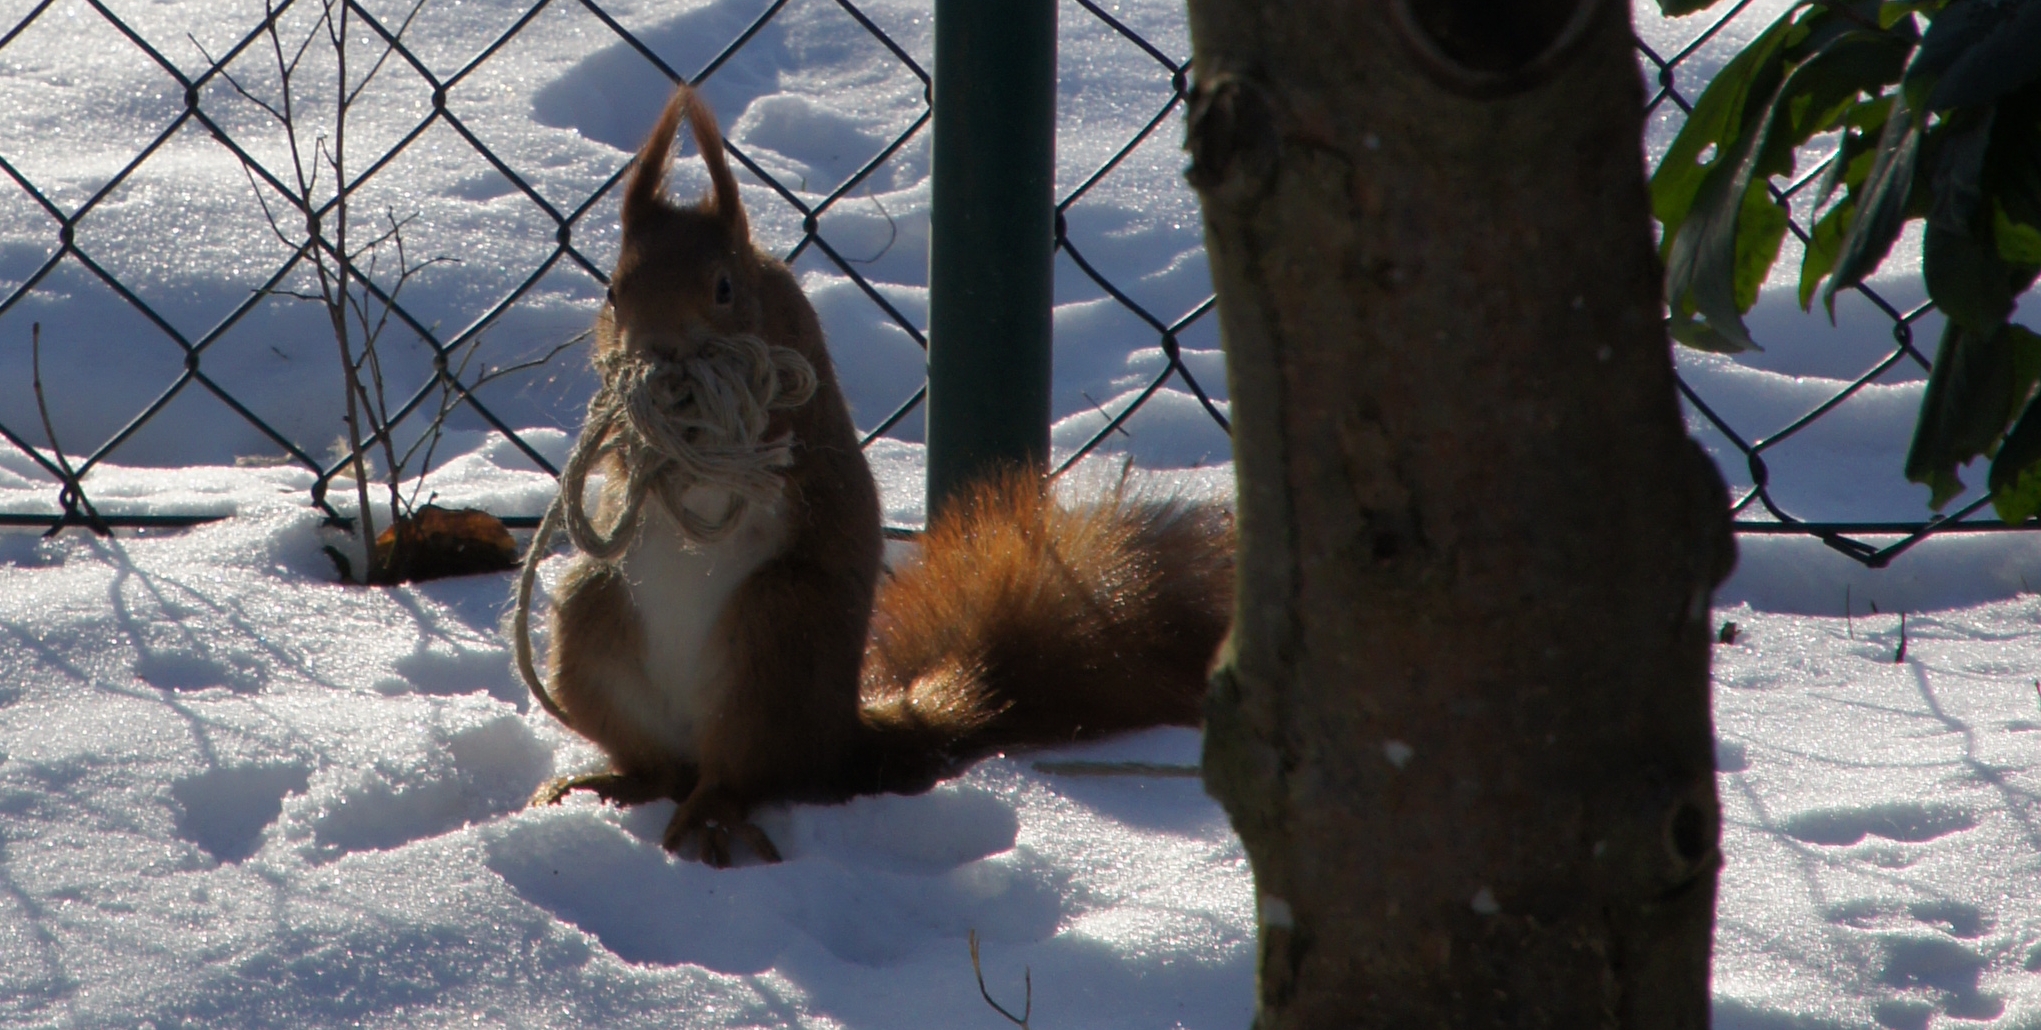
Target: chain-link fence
(210,91)
(815,182)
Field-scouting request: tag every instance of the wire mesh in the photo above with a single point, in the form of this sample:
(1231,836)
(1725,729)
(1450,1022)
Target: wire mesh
(211,87)
(206,98)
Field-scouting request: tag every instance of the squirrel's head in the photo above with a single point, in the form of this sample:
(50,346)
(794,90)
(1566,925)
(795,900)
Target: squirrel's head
(684,271)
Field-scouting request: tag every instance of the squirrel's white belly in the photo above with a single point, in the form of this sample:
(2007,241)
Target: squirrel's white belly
(680,589)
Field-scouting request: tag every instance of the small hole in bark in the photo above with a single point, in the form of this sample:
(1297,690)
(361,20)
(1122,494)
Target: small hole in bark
(1387,546)
(1687,832)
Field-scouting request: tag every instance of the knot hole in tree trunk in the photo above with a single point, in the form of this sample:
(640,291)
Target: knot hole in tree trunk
(1492,48)
(1232,136)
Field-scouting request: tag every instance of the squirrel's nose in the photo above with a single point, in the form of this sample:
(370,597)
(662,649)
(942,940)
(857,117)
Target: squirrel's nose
(659,343)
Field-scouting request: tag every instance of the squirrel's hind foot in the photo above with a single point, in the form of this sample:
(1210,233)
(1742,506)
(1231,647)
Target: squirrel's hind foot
(614,787)
(717,817)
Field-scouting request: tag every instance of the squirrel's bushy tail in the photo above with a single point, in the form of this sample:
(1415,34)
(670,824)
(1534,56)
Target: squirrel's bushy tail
(1024,622)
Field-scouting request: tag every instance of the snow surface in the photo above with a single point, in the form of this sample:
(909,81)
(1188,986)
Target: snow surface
(236,794)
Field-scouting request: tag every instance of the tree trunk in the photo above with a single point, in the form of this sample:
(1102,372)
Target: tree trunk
(1463,721)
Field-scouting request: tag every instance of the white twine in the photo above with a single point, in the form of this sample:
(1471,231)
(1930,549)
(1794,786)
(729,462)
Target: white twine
(673,424)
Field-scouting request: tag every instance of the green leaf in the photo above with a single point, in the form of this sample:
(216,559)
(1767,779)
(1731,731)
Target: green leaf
(2012,178)
(1701,336)
(1882,210)
(1721,250)
(1966,278)
(1965,275)
(1717,120)
(1959,26)
(1676,8)
(1708,259)
(1958,176)
(2015,479)
(1701,244)
(1890,14)
(2008,57)
(1822,90)
(1761,228)
(1851,163)
(1920,199)
(2026,359)
(2016,495)
(1817,259)
(2018,243)
(1976,382)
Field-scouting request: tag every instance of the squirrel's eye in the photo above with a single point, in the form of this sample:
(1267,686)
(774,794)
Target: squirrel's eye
(723,289)
(609,294)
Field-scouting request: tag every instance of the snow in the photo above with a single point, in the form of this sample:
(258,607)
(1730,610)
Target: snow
(234,793)
(237,794)
(1879,819)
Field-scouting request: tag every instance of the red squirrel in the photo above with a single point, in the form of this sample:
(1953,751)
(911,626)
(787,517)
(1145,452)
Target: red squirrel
(769,658)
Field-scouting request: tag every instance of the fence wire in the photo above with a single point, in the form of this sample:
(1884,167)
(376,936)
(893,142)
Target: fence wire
(568,223)
(1676,79)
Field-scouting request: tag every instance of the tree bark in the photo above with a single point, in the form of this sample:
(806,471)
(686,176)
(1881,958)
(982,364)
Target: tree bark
(1463,721)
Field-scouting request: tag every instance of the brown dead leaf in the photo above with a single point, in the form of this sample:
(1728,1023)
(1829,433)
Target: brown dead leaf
(434,543)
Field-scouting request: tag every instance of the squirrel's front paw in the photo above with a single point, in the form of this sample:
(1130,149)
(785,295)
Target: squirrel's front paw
(717,816)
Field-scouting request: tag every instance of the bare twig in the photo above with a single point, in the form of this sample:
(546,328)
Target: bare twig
(892,226)
(1100,408)
(1027,978)
(358,273)
(449,398)
(402,27)
(73,489)
(375,396)
(232,81)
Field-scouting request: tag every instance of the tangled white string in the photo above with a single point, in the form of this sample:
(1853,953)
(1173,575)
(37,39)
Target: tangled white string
(673,424)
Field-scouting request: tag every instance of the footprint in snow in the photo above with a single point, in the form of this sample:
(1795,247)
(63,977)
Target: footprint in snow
(441,780)
(1731,756)
(445,669)
(225,811)
(1952,918)
(1905,821)
(1927,965)
(1940,972)
(191,670)
(644,907)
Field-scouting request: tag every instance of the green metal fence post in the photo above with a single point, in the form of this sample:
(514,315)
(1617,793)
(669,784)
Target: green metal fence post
(992,239)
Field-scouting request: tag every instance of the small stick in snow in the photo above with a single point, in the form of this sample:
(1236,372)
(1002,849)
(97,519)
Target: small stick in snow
(1901,656)
(1027,978)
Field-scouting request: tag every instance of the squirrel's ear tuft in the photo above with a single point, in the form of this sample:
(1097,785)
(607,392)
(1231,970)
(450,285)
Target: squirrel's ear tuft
(642,193)
(724,200)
